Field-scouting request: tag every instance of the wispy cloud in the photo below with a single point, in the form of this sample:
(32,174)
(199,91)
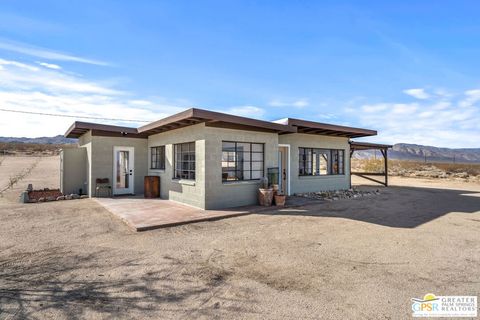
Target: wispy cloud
(298,103)
(50,65)
(26,87)
(45,53)
(442,120)
(417,93)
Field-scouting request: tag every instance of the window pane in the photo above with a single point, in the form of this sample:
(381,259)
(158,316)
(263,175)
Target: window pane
(239,158)
(184,160)
(257,174)
(258,147)
(228,146)
(243,147)
(257,156)
(257,165)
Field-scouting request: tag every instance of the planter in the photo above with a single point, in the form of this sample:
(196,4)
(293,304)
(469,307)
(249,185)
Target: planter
(265,197)
(280,200)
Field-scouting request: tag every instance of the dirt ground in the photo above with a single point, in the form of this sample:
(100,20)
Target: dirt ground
(357,259)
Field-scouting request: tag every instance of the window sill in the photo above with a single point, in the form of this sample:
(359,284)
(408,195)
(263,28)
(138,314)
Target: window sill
(236,183)
(184,182)
(322,176)
(157,170)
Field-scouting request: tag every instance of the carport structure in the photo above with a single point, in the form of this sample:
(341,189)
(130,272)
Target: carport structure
(357,146)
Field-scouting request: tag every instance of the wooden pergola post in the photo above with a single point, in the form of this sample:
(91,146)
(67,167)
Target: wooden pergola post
(370,146)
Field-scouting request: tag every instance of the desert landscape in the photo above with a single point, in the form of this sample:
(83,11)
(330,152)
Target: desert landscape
(352,258)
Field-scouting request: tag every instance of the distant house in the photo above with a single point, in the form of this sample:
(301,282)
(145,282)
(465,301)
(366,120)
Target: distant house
(209,159)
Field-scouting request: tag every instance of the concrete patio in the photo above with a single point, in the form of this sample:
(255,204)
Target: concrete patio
(142,214)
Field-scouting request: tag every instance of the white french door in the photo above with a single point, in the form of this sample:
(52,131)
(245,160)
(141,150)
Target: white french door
(123,170)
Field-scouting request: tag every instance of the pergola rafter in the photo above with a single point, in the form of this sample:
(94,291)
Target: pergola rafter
(356,146)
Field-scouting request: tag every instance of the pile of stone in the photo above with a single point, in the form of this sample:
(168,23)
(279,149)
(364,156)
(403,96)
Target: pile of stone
(338,194)
(46,195)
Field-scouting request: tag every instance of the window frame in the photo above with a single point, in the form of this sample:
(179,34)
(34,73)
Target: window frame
(331,162)
(175,160)
(156,156)
(251,152)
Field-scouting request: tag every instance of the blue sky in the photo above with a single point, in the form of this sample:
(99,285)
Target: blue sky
(408,69)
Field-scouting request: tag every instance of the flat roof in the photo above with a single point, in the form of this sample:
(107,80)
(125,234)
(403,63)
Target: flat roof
(311,127)
(220,120)
(357,145)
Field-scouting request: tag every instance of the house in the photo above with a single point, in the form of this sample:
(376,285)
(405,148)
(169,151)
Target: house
(208,159)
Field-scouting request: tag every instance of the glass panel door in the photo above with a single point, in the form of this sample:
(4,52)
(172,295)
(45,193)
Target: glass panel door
(123,170)
(123,173)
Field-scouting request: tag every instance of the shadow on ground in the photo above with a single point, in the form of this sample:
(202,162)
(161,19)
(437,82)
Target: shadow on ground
(73,287)
(398,207)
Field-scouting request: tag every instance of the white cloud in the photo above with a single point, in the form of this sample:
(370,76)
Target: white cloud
(24,87)
(45,53)
(299,103)
(50,65)
(446,123)
(471,97)
(417,93)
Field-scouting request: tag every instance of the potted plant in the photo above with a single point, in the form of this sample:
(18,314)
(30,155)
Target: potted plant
(280,199)
(265,194)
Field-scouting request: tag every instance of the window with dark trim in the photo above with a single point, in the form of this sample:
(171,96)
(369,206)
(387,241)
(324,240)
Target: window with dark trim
(317,162)
(242,161)
(157,157)
(184,161)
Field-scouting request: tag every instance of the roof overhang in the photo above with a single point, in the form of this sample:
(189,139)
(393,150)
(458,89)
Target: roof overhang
(213,119)
(355,145)
(220,120)
(79,128)
(310,127)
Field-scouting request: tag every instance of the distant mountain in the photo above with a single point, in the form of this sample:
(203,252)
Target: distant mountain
(404,151)
(41,140)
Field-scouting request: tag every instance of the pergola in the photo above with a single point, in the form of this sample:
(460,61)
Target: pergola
(356,146)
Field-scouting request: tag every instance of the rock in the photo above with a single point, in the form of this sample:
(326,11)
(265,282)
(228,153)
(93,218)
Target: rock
(75,196)
(30,187)
(60,198)
(335,198)
(24,197)
(68,197)
(50,199)
(84,196)
(33,201)
(42,199)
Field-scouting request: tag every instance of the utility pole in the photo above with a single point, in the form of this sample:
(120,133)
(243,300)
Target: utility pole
(425,158)
(454,158)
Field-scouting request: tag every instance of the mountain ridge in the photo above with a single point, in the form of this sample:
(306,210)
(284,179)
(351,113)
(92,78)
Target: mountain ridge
(400,151)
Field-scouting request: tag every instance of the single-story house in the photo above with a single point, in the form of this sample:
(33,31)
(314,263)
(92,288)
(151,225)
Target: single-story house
(208,159)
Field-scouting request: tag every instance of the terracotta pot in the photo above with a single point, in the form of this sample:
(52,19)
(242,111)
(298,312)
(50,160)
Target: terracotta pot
(265,197)
(280,200)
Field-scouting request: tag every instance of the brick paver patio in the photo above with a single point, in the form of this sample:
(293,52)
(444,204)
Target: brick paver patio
(144,214)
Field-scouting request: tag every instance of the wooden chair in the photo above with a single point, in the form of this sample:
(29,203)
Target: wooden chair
(102,185)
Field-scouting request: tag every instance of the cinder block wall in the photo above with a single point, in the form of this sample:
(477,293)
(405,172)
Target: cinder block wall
(102,159)
(316,183)
(191,192)
(233,194)
(73,171)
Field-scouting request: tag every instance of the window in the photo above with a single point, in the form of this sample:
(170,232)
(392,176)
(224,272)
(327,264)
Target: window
(242,161)
(157,158)
(317,162)
(184,161)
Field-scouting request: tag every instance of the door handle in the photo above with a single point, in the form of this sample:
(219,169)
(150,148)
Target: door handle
(284,174)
